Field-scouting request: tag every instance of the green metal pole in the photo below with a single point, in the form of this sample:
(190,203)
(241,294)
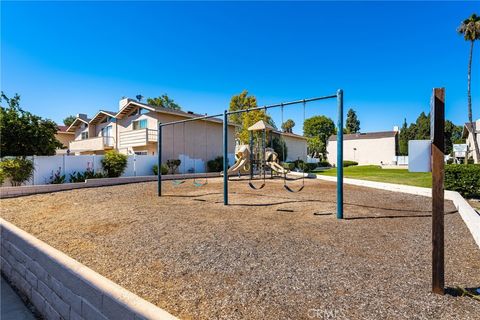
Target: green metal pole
(225,158)
(159,155)
(340,155)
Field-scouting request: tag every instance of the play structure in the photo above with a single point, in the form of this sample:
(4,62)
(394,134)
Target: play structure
(256,159)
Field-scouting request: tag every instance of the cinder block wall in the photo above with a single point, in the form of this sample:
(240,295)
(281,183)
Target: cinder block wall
(60,287)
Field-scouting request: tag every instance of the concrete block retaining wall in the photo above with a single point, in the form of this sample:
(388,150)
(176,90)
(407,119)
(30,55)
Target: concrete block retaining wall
(59,287)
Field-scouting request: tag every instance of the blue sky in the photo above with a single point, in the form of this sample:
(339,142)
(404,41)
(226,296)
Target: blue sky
(70,57)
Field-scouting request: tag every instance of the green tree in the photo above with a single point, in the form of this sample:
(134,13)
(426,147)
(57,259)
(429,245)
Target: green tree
(321,127)
(163,101)
(69,120)
(288,125)
(403,139)
(23,133)
(352,124)
(246,119)
(316,147)
(470,29)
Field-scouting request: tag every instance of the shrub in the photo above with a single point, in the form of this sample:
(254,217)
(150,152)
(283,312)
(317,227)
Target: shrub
(288,165)
(173,164)
(18,170)
(114,163)
(2,176)
(57,177)
(215,165)
(87,174)
(324,163)
(349,163)
(464,178)
(164,169)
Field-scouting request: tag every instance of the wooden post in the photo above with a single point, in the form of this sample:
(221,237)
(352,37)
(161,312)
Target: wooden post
(437,132)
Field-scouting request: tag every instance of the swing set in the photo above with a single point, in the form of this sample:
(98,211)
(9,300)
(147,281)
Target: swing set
(262,161)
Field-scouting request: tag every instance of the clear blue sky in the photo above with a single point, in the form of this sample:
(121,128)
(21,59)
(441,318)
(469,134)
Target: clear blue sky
(70,57)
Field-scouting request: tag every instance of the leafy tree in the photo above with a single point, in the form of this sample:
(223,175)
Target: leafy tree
(420,130)
(18,170)
(69,120)
(316,147)
(321,127)
(288,125)
(163,101)
(23,133)
(352,124)
(470,29)
(246,119)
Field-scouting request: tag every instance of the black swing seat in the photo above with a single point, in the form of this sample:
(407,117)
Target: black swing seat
(251,185)
(291,190)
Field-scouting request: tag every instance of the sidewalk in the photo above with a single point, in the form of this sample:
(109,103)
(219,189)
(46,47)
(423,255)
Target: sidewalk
(11,306)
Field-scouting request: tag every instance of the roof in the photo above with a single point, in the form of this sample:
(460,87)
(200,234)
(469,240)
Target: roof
(367,135)
(62,128)
(288,134)
(468,128)
(80,118)
(100,115)
(260,125)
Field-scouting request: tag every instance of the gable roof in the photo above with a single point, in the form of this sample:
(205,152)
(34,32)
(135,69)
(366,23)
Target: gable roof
(80,118)
(367,135)
(100,115)
(260,125)
(467,129)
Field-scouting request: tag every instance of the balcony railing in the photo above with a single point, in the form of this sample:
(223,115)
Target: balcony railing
(136,138)
(92,144)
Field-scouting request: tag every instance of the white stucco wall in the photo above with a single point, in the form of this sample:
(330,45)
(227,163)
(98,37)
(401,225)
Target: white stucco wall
(296,147)
(368,151)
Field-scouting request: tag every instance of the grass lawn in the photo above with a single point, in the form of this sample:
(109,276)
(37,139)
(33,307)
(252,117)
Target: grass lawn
(376,173)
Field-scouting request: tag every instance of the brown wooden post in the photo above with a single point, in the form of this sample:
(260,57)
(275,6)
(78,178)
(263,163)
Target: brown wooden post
(437,132)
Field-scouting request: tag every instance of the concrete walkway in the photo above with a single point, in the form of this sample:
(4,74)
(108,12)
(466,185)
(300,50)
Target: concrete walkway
(11,306)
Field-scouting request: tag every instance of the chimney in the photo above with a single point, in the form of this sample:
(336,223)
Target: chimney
(123,102)
(82,115)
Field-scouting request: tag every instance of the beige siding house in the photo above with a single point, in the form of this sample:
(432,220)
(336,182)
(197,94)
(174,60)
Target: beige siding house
(469,132)
(374,148)
(64,137)
(133,129)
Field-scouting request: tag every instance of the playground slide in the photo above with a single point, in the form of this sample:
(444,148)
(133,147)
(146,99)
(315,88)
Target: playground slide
(276,167)
(238,166)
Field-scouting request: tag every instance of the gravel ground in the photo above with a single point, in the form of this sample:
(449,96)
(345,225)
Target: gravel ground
(200,260)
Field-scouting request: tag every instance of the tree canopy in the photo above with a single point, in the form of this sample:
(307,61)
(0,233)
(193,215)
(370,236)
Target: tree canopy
(420,130)
(244,120)
(69,120)
(23,133)
(163,101)
(318,129)
(288,125)
(352,124)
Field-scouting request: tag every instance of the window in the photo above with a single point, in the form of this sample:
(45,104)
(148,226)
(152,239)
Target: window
(141,153)
(84,135)
(140,124)
(107,131)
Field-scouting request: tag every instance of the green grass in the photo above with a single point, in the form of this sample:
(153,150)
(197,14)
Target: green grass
(376,173)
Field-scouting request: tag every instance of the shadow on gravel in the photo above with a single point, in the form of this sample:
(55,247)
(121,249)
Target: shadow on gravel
(397,216)
(473,292)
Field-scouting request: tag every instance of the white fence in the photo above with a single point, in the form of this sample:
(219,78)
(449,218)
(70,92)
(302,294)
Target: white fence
(46,166)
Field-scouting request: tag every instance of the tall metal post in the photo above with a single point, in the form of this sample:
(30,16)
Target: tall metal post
(225,158)
(251,155)
(159,163)
(340,155)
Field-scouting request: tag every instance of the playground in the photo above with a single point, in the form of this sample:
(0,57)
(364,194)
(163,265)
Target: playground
(271,254)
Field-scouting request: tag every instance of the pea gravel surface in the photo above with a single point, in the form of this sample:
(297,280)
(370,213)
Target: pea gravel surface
(271,254)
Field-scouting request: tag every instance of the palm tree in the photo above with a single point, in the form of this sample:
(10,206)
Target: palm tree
(470,29)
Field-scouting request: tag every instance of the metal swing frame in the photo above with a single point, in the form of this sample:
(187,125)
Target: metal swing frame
(338,96)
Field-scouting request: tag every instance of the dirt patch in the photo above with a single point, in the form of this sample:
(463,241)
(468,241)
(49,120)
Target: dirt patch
(202,260)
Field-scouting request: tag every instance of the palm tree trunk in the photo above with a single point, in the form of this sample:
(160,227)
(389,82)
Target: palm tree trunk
(470,117)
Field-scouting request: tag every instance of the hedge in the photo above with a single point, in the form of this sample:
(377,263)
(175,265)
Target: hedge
(464,178)
(349,163)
